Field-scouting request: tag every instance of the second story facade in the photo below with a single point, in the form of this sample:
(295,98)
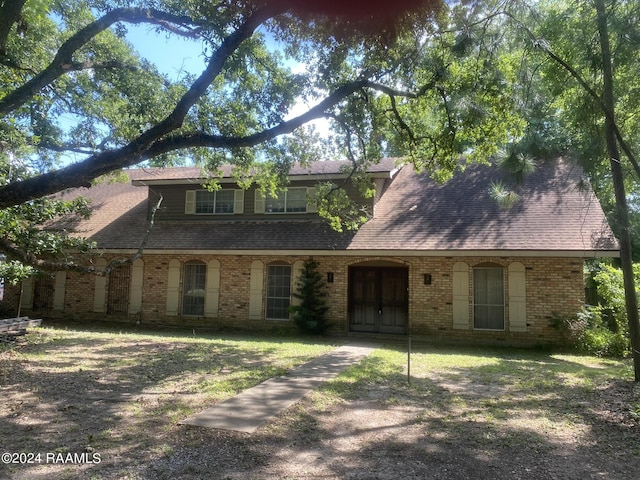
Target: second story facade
(185,197)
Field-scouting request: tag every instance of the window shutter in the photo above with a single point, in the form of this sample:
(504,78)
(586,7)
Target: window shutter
(517,298)
(461,296)
(173,288)
(212,291)
(255,290)
(238,201)
(137,279)
(190,202)
(59,290)
(312,206)
(100,293)
(260,202)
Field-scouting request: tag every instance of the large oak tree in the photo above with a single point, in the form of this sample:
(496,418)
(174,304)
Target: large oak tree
(78,102)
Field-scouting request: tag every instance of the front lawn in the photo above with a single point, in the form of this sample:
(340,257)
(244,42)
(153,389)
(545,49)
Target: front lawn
(83,396)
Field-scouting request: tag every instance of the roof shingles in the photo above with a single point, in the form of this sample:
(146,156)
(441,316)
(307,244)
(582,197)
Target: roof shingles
(414,214)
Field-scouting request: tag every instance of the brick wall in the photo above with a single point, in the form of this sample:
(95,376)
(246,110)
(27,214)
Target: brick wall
(554,286)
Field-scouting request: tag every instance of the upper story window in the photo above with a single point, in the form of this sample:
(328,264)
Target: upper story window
(293,200)
(220,201)
(204,202)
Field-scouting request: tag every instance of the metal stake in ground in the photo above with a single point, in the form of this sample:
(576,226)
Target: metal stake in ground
(409,359)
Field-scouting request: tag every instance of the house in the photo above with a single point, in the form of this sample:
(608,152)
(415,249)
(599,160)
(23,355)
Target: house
(439,260)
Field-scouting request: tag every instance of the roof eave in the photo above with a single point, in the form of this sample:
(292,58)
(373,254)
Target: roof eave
(383,253)
(387,174)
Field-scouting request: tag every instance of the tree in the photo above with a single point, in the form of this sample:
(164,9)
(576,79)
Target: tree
(310,313)
(588,69)
(72,87)
(601,91)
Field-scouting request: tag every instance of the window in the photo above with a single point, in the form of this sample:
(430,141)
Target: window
(291,201)
(118,290)
(193,289)
(220,201)
(488,298)
(278,292)
(43,291)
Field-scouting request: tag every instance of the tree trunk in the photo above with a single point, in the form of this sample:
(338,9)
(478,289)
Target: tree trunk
(622,210)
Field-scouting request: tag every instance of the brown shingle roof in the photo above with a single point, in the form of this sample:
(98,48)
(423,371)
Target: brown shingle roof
(333,167)
(554,213)
(414,214)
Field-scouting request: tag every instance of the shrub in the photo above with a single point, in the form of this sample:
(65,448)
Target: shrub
(602,329)
(310,314)
(590,334)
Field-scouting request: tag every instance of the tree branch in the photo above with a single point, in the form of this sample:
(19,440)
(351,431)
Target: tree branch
(10,13)
(82,173)
(63,63)
(15,252)
(544,47)
(201,139)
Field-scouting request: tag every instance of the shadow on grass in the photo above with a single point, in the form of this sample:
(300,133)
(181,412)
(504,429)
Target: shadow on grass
(467,414)
(75,390)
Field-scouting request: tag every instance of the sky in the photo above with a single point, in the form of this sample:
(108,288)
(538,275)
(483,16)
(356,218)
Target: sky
(175,56)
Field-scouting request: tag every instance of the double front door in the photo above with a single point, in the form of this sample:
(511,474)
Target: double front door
(378,299)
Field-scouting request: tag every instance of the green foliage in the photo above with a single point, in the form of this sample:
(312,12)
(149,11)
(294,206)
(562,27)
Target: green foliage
(437,91)
(591,334)
(310,313)
(504,197)
(13,271)
(602,329)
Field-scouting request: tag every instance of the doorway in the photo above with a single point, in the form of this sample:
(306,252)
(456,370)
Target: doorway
(378,299)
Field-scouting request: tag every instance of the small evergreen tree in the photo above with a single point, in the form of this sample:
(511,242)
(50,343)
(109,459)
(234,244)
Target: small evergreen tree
(309,314)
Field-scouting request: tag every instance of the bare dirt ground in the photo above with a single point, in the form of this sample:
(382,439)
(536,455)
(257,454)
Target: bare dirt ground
(518,416)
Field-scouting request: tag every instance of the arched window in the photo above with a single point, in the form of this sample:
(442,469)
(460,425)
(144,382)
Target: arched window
(278,291)
(193,288)
(488,297)
(118,284)
(43,293)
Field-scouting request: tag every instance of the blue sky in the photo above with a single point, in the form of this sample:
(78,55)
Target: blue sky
(175,56)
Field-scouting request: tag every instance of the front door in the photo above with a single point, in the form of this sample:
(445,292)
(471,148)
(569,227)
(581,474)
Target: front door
(378,299)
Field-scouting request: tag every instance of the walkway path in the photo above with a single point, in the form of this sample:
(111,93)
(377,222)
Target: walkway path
(248,410)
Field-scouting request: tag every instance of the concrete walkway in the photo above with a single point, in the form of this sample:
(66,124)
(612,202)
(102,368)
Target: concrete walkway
(248,410)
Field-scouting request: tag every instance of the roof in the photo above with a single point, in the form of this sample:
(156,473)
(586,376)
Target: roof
(415,215)
(333,168)
(554,213)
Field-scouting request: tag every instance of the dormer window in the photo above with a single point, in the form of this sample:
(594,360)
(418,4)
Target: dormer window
(292,200)
(220,201)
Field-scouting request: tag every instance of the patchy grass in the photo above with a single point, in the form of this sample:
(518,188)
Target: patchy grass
(467,413)
(117,392)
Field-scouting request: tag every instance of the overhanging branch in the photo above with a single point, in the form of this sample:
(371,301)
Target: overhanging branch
(15,252)
(63,61)
(82,173)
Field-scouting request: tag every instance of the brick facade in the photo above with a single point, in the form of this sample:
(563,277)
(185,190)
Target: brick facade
(554,287)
